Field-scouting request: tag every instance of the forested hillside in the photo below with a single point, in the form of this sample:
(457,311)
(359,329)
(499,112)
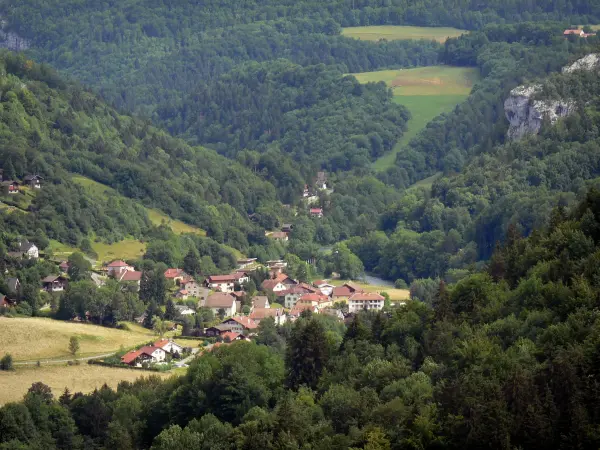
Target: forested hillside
(316,116)
(506,358)
(55,129)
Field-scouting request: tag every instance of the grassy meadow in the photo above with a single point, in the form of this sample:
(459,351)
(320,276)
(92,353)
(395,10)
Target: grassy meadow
(398,32)
(82,378)
(125,249)
(31,339)
(427,92)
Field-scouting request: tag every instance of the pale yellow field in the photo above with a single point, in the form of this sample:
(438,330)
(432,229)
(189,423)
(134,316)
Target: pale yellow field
(39,339)
(125,249)
(395,294)
(83,378)
(399,32)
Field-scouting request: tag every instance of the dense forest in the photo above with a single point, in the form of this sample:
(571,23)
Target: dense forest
(505,357)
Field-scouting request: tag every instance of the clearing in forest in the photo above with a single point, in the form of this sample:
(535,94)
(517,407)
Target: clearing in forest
(395,294)
(399,32)
(82,378)
(31,339)
(427,92)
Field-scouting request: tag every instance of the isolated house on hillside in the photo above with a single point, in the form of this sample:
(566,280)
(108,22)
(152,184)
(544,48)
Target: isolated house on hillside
(316,212)
(279,236)
(54,283)
(10,187)
(321,182)
(169,346)
(33,181)
(28,249)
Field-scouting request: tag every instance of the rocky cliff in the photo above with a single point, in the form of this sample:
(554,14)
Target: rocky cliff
(526,114)
(10,40)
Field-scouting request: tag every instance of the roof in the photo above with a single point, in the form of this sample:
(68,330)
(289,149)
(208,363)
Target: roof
(118,263)
(25,246)
(131,356)
(573,32)
(161,343)
(183,292)
(188,281)
(131,275)
(238,294)
(149,349)
(263,313)
(53,278)
(312,297)
(279,235)
(220,300)
(260,301)
(269,284)
(32,177)
(231,335)
(221,278)
(366,296)
(64,264)
(299,307)
(346,290)
(244,321)
(221,327)
(239,274)
(174,273)
(9,182)
(316,211)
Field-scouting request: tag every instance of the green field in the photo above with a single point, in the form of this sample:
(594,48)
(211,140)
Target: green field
(427,92)
(396,32)
(125,249)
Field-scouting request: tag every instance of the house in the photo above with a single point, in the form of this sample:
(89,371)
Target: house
(217,330)
(279,236)
(185,310)
(260,301)
(182,294)
(14,285)
(324,287)
(345,291)
(147,354)
(29,249)
(10,187)
(241,277)
(241,324)
(54,283)
(33,181)
(239,295)
(169,346)
(287,227)
(276,267)
(246,262)
(299,308)
(6,302)
(316,212)
(318,300)
(290,296)
(221,301)
(193,288)
(274,286)
(306,191)
(221,283)
(277,314)
(230,336)
(321,182)
(577,32)
(115,268)
(338,314)
(131,276)
(64,266)
(365,300)
(176,275)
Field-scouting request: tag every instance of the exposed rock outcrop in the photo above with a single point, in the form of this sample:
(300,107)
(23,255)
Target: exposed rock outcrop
(525,114)
(10,40)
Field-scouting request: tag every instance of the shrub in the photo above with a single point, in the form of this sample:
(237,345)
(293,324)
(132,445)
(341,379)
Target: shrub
(6,363)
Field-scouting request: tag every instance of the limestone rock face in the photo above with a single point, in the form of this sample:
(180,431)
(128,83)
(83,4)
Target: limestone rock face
(526,115)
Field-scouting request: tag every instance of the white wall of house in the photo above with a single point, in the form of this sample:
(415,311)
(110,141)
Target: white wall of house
(359,305)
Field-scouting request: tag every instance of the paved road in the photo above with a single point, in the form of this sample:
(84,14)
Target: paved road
(61,361)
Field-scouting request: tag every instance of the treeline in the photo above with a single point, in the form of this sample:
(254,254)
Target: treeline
(505,357)
(314,115)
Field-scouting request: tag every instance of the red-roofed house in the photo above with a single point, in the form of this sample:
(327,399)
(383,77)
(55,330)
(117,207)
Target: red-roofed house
(6,302)
(131,276)
(345,291)
(221,283)
(64,266)
(319,300)
(193,288)
(115,268)
(175,274)
(169,346)
(579,33)
(148,354)
(324,287)
(273,286)
(230,336)
(277,314)
(365,300)
(316,212)
(300,307)
(239,324)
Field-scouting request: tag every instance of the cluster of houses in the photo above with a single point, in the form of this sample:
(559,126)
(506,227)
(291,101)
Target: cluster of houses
(11,187)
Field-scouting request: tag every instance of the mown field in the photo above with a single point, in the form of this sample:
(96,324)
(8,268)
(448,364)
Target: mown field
(82,378)
(427,92)
(31,339)
(398,32)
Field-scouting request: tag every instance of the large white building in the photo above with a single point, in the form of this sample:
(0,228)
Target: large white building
(365,300)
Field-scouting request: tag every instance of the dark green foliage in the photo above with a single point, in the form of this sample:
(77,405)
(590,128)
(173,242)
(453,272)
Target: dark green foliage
(6,363)
(307,354)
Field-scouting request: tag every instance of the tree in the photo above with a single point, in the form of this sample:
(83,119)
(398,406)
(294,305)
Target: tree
(171,312)
(153,287)
(79,267)
(307,354)
(191,262)
(442,303)
(6,363)
(74,345)
(159,326)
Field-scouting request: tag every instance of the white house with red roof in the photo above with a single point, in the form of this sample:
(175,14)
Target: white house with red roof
(149,354)
(365,300)
(231,336)
(116,268)
(316,212)
(221,300)
(277,314)
(169,346)
(221,283)
(176,275)
(130,276)
(239,324)
(313,299)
